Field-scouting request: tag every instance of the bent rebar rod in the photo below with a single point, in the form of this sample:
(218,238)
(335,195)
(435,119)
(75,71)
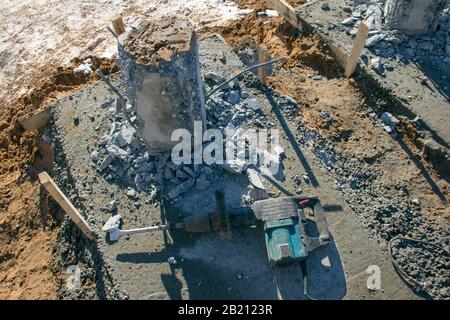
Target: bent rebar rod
(240,73)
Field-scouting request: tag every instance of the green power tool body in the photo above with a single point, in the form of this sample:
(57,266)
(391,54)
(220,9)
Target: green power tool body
(283,220)
(284,227)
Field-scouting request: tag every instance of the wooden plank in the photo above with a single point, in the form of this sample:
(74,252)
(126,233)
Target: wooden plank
(118,26)
(339,53)
(262,71)
(358,46)
(65,204)
(36,119)
(287,12)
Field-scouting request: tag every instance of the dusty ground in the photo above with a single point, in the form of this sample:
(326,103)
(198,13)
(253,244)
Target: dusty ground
(28,227)
(308,57)
(66,33)
(26,273)
(339,120)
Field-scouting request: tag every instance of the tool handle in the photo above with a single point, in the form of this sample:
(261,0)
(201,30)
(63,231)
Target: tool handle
(321,222)
(225,232)
(144,230)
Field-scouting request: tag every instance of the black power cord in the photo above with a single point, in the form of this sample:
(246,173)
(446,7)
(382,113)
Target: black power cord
(420,286)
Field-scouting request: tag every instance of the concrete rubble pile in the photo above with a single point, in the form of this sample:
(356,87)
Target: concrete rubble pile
(164,93)
(399,34)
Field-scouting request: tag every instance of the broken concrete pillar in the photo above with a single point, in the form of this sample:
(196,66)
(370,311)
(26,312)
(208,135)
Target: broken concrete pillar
(160,68)
(414,17)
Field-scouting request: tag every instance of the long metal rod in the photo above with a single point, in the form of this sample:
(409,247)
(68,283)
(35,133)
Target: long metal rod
(121,97)
(106,80)
(240,73)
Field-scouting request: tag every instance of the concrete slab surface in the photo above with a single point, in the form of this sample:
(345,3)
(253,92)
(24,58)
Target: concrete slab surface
(208,268)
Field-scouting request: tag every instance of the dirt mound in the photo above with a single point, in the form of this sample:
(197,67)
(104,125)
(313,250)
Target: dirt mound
(27,231)
(281,39)
(262,5)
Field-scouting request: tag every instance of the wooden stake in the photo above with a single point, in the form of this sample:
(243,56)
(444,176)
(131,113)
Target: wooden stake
(262,71)
(118,26)
(358,47)
(287,11)
(66,205)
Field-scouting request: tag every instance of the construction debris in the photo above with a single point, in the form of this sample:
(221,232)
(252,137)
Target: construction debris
(119,163)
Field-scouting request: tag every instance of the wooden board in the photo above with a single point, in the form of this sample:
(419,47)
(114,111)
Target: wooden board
(36,119)
(358,47)
(287,12)
(65,204)
(118,26)
(262,71)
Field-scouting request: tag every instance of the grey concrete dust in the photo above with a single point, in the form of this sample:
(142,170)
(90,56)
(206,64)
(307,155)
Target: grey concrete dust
(180,266)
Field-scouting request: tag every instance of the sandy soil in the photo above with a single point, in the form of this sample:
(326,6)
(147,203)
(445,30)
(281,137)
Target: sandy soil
(308,57)
(36,38)
(28,225)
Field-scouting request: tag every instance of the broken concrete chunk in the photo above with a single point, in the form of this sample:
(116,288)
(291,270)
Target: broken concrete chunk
(325,6)
(375,64)
(245,12)
(117,151)
(94,156)
(217,78)
(127,134)
(272,13)
(347,9)
(297,179)
(306,178)
(106,162)
(112,206)
(389,67)
(237,166)
(254,194)
(233,97)
(255,178)
(174,166)
(190,172)
(113,222)
(162,160)
(374,39)
(253,104)
(181,174)
(168,173)
(347,22)
(181,188)
(84,68)
(131,193)
(389,120)
(326,262)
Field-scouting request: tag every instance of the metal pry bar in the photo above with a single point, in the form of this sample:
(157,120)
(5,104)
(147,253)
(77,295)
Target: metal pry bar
(121,97)
(106,80)
(242,72)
